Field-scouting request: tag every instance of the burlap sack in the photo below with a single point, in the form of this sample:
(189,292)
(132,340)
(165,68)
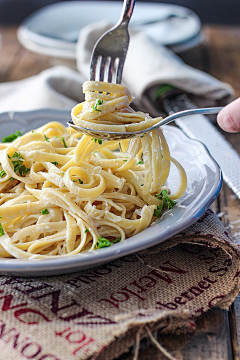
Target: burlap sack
(97,313)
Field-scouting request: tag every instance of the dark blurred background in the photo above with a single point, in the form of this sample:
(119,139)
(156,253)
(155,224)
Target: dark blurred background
(210,11)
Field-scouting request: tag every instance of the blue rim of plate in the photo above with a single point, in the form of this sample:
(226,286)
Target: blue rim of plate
(73,263)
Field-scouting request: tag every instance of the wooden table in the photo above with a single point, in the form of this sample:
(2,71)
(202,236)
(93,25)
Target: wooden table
(218,331)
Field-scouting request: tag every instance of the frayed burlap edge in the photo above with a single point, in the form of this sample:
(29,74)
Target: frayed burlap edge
(180,321)
(172,321)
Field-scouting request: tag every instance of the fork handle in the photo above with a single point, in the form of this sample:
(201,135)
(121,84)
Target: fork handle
(127,10)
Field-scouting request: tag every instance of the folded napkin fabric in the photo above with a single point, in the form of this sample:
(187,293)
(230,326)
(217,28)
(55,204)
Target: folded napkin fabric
(97,313)
(149,64)
(58,87)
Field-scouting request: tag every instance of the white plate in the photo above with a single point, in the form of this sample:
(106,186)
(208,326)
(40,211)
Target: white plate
(53,30)
(204,184)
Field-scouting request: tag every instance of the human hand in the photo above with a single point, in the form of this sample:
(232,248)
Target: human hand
(229,117)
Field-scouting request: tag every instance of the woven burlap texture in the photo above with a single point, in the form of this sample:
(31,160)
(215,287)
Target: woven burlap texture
(95,314)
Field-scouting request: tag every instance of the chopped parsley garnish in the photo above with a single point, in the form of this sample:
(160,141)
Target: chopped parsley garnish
(116,241)
(11,137)
(79,180)
(2,173)
(44,211)
(16,155)
(167,203)
(139,163)
(97,140)
(86,230)
(54,163)
(46,138)
(63,173)
(103,242)
(19,168)
(98,102)
(64,142)
(124,160)
(1,230)
(158,211)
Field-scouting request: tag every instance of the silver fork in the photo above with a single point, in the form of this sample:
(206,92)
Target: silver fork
(114,135)
(109,53)
(107,61)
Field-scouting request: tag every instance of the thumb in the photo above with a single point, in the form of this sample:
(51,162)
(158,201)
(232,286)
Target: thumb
(229,117)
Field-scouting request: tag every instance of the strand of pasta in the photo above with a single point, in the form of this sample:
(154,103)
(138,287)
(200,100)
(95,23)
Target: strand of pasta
(61,191)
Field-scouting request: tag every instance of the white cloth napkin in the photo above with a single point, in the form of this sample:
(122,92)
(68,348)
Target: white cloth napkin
(147,65)
(58,87)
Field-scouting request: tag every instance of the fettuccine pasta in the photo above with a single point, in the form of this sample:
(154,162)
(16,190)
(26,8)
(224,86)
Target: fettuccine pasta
(63,193)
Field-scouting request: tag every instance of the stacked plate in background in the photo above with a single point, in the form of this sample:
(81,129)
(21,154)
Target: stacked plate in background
(54,29)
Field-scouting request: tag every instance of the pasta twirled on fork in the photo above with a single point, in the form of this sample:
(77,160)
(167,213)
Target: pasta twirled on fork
(63,193)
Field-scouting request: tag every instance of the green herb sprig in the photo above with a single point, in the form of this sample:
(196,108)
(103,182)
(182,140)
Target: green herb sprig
(97,140)
(44,211)
(11,137)
(1,230)
(19,168)
(103,242)
(2,173)
(64,142)
(79,180)
(98,102)
(167,203)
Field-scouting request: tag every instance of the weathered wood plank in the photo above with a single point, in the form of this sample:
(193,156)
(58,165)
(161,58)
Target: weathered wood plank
(223,55)
(229,206)
(223,52)
(234,321)
(16,62)
(9,50)
(210,341)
